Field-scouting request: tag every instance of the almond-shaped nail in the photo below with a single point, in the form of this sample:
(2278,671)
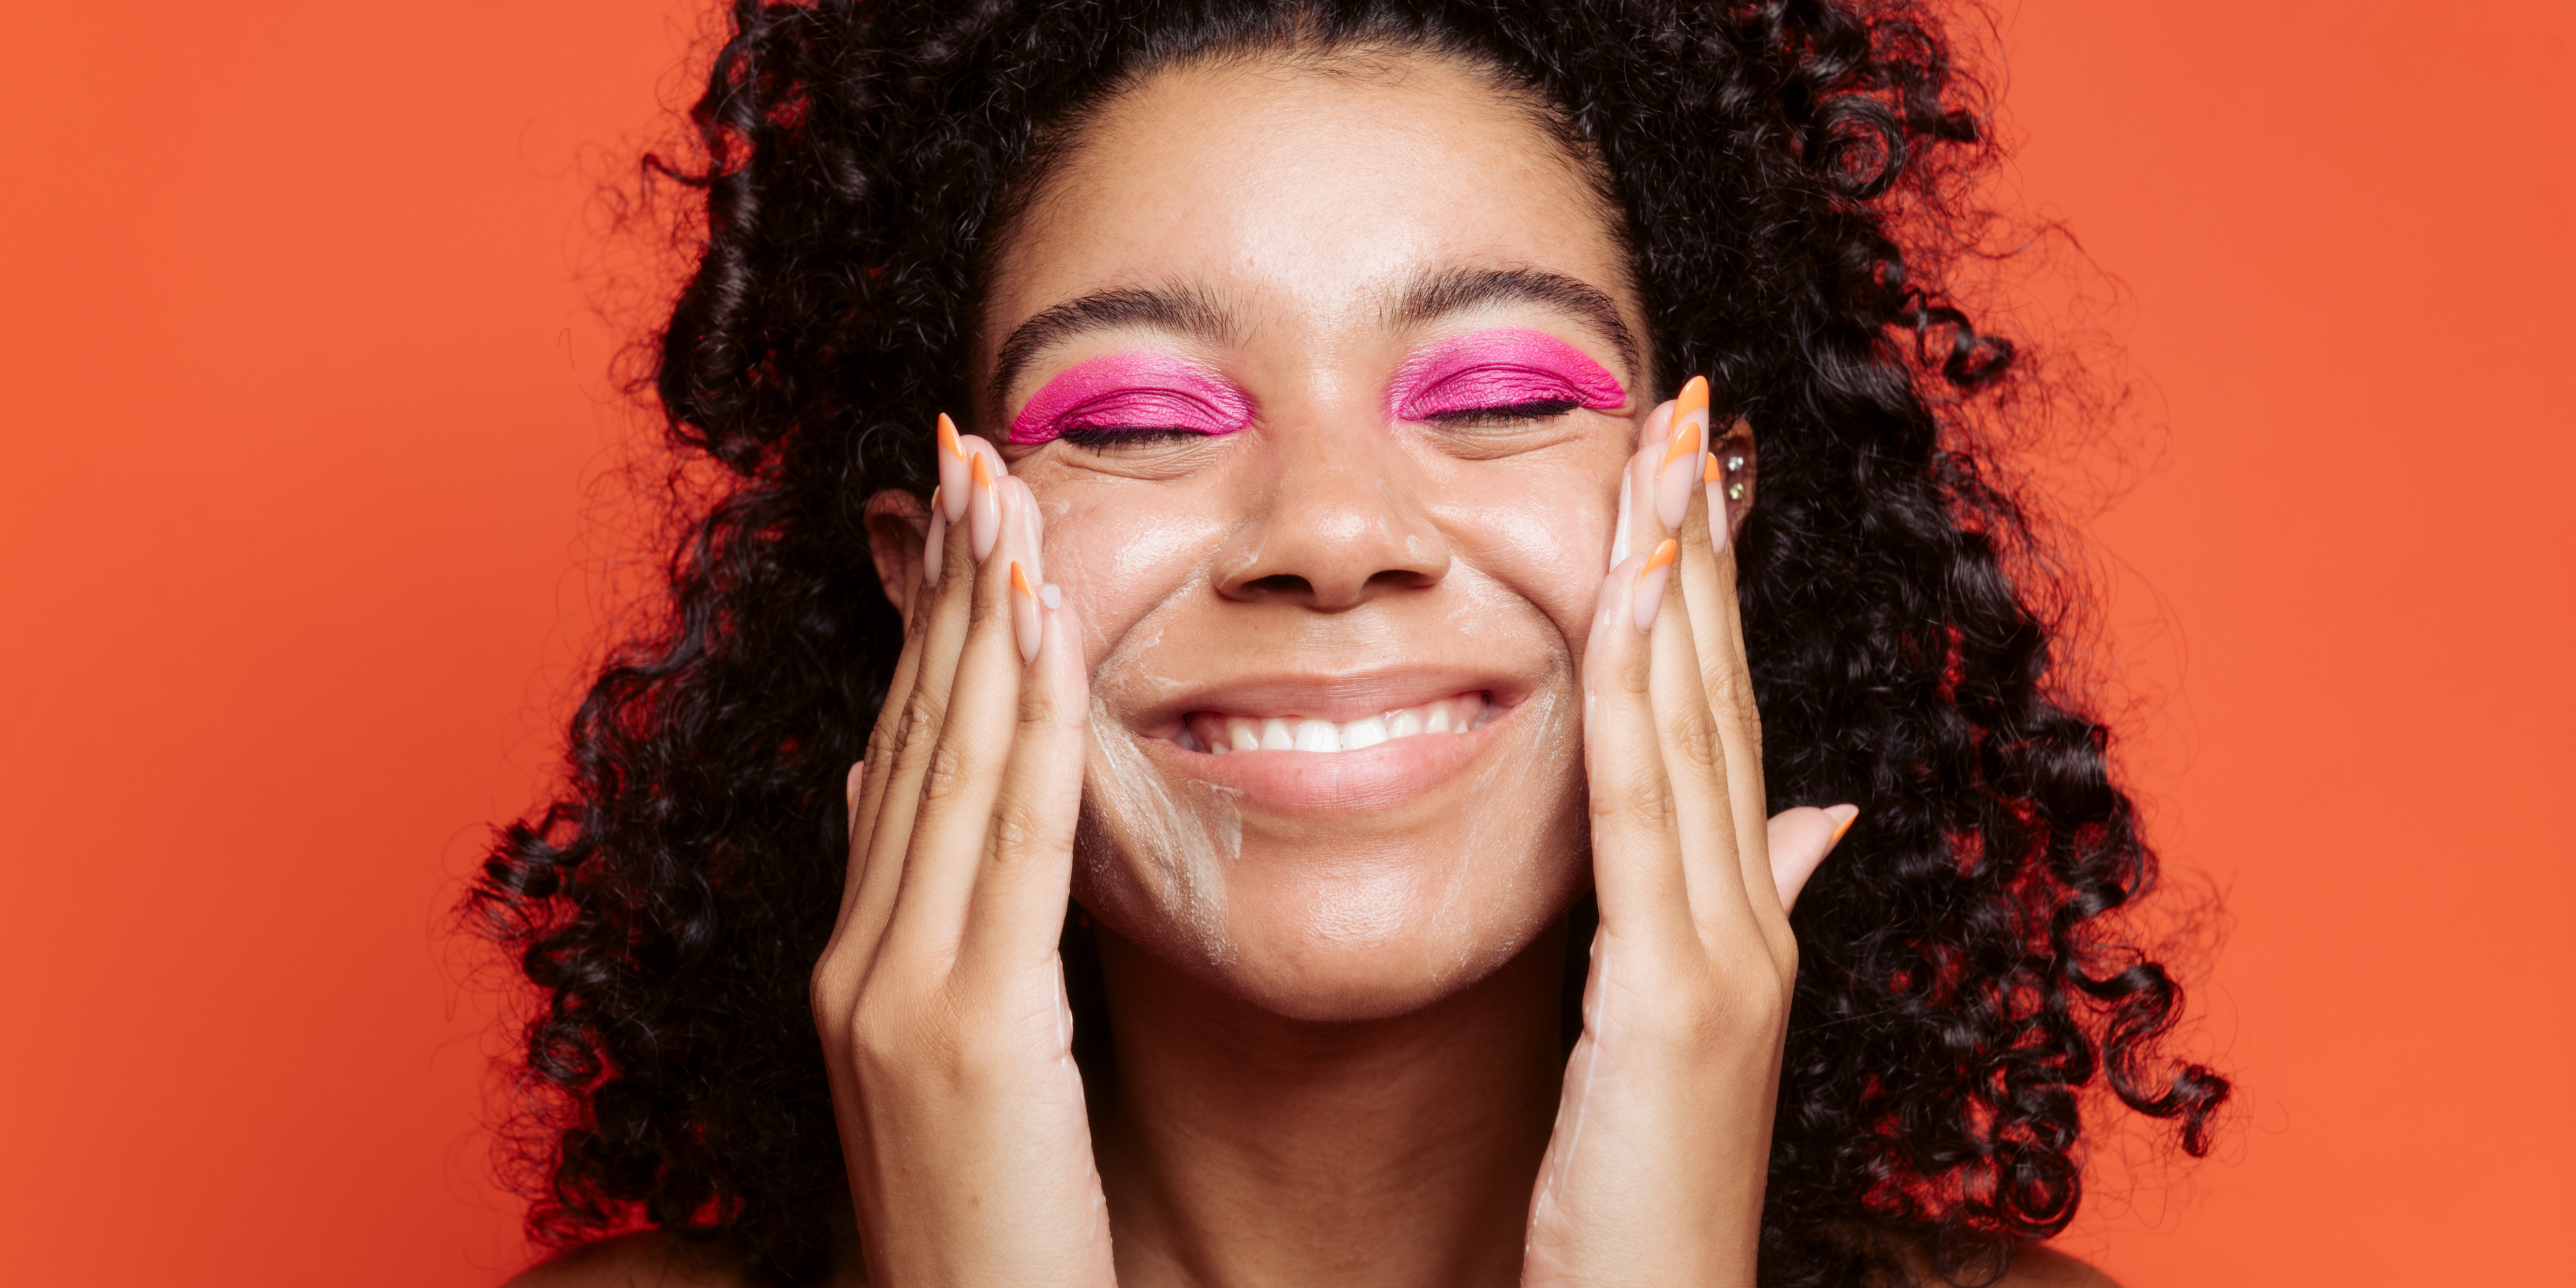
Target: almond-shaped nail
(1650,582)
(935,549)
(952,468)
(1678,477)
(1032,527)
(983,507)
(1843,817)
(1682,454)
(1025,618)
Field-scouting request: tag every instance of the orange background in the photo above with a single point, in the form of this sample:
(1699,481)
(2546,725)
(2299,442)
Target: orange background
(308,516)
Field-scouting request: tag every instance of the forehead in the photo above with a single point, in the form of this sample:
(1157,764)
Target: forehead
(1307,193)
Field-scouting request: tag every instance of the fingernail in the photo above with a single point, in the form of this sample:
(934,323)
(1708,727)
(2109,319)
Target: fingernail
(1690,439)
(1024,614)
(983,507)
(936,548)
(1843,816)
(952,468)
(1032,531)
(1677,477)
(1650,582)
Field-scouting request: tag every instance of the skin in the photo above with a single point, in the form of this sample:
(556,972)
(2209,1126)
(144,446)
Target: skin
(1337,1057)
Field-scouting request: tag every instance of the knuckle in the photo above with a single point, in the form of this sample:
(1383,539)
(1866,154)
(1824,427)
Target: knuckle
(1643,799)
(919,723)
(946,776)
(884,1027)
(1012,831)
(1693,735)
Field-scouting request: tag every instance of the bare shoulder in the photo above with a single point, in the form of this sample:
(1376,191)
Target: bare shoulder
(648,1259)
(2037,1265)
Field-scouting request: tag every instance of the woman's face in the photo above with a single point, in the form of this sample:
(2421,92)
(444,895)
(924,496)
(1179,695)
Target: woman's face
(1324,379)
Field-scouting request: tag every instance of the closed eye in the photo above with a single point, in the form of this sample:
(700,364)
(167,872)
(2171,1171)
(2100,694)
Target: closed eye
(1112,438)
(1504,414)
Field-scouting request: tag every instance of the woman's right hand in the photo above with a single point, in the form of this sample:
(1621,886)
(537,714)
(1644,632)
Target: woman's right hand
(940,999)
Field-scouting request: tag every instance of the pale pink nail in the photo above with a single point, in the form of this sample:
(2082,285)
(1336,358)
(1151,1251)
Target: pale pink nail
(1650,582)
(952,468)
(983,507)
(1032,543)
(1025,618)
(1677,476)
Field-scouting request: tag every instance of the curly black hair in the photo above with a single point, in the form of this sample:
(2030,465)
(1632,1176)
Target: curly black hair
(1788,172)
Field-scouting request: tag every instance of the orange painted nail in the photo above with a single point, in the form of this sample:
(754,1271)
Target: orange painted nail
(1842,827)
(1020,580)
(1684,443)
(1693,397)
(948,436)
(1708,473)
(1664,554)
(975,467)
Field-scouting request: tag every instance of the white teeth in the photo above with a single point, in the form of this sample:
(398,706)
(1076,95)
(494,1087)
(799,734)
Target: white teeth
(1363,733)
(1225,735)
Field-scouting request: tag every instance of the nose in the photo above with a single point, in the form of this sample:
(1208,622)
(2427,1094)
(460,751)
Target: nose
(1340,525)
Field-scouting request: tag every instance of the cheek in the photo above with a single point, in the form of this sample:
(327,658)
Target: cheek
(1118,552)
(1546,534)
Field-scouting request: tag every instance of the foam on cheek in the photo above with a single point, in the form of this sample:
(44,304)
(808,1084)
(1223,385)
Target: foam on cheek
(1180,837)
(1143,390)
(1492,836)
(1500,368)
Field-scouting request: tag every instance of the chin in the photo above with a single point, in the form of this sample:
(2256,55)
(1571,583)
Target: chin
(1349,940)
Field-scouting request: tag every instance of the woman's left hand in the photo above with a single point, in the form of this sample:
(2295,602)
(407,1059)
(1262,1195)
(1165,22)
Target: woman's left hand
(1655,1172)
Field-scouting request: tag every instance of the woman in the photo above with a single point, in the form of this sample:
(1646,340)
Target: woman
(1278,841)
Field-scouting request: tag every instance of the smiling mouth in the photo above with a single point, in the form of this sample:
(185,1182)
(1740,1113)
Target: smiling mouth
(1225,733)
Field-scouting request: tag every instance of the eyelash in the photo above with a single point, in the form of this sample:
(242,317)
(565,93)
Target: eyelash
(1510,414)
(1110,438)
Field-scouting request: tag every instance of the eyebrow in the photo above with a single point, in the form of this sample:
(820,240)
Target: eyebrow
(1459,290)
(1183,311)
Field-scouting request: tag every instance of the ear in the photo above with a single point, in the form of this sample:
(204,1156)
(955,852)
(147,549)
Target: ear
(898,523)
(1733,459)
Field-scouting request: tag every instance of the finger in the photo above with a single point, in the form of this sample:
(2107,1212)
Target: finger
(1676,475)
(1016,912)
(1800,840)
(1708,586)
(912,726)
(887,733)
(1636,853)
(1695,768)
(964,773)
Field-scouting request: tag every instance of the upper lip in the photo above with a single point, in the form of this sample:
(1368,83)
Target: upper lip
(1335,696)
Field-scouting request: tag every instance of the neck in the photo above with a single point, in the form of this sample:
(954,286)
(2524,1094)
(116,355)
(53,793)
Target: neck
(1238,1147)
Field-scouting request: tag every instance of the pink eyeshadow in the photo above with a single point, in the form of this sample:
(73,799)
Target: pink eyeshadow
(1132,391)
(1500,368)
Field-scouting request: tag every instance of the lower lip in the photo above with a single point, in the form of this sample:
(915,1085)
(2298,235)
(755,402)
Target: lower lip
(1388,774)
